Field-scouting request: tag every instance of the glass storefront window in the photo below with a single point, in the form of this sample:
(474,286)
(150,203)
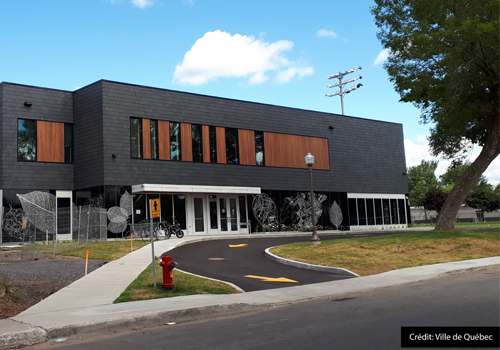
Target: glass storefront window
(26,139)
(379,219)
(155,153)
(353,213)
(136,137)
(175,141)
(199,225)
(213,144)
(387,213)
(369,211)
(401,206)
(232,149)
(180,209)
(259,148)
(166,208)
(197,138)
(394,211)
(361,211)
(243,212)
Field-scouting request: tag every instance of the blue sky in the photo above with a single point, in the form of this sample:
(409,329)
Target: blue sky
(276,52)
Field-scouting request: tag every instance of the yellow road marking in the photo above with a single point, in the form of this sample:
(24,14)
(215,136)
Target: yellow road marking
(270,279)
(237,245)
(216,258)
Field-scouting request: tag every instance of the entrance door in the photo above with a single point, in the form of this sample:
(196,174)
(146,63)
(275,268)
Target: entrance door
(199,217)
(228,211)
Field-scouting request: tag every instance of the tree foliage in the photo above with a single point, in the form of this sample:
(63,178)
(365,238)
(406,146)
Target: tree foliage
(453,175)
(444,58)
(421,178)
(434,200)
(484,199)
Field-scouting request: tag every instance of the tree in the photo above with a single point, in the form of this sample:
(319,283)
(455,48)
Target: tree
(454,173)
(421,178)
(434,200)
(484,199)
(444,58)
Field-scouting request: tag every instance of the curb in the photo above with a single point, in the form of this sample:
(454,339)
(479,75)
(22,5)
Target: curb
(14,337)
(301,265)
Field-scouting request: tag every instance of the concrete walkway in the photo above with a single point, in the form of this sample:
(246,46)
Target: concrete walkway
(86,306)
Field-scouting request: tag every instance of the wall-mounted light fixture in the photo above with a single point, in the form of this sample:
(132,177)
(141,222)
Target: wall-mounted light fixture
(404,174)
(114,156)
(28,104)
(331,127)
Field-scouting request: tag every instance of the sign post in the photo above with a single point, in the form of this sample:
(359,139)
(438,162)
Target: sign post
(154,212)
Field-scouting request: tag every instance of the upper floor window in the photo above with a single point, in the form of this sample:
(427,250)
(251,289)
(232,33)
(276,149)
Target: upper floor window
(136,137)
(175,141)
(232,149)
(68,143)
(153,125)
(197,138)
(259,148)
(26,139)
(212,135)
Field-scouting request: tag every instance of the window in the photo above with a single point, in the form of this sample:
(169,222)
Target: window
(212,135)
(387,213)
(153,125)
(361,211)
(369,211)
(68,143)
(402,211)
(26,139)
(259,148)
(232,151)
(378,211)
(197,138)
(394,211)
(136,137)
(175,141)
(353,212)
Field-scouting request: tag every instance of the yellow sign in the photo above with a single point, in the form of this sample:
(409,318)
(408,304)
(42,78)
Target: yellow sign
(155,208)
(237,245)
(270,279)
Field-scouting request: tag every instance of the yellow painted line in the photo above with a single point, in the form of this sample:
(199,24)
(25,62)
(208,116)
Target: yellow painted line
(270,279)
(216,258)
(237,245)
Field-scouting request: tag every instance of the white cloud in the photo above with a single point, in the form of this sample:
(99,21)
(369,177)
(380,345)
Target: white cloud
(382,57)
(326,33)
(142,3)
(219,54)
(418,150)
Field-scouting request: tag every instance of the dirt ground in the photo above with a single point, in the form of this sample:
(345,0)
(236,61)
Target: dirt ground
(26,278)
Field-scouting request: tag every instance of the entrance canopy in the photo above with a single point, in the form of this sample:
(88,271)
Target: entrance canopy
(158,188)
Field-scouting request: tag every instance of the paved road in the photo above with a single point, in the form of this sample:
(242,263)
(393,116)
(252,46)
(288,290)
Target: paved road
(216,259)
(369,320)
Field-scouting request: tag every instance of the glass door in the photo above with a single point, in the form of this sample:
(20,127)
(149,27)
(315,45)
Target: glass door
(199,219)
(228,214)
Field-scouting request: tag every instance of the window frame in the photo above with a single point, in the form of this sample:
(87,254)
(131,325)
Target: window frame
(35,137)
(72,146)
(140,146)
(154,141)
(263,148)
(237,150)
(199,156)
(179,143)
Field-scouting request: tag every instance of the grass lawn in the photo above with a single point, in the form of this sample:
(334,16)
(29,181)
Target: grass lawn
(142,287)
(100,250)
(373,255)
(464,224)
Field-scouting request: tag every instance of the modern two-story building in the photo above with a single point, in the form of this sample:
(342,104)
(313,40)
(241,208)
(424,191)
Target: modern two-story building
(203,157)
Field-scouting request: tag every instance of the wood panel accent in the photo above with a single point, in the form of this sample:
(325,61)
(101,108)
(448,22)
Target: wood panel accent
(206,143)
(186,143)
(146,139)
(247,146)
(288,151)
(50,142)
(164,139)
(221,144)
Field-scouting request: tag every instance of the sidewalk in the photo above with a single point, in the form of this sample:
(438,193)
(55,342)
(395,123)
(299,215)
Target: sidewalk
(86,307)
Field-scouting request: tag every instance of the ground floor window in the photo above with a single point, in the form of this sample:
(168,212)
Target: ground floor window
(372,209)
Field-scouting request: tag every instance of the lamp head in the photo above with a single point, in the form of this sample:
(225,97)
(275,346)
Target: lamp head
(309,160)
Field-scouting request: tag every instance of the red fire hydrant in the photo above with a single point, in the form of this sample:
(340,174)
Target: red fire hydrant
(168,271)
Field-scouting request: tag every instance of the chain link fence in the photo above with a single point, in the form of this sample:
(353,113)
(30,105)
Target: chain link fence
(72,227)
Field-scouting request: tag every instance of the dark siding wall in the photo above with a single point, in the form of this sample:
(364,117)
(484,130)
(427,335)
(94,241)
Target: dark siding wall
(48,105)
(89,136)
(365,155)
(1,137)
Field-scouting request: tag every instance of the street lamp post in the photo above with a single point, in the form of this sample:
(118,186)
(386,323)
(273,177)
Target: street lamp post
(341,84)
(315,241)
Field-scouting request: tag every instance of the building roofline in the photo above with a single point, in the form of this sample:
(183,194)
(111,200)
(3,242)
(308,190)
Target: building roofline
(33,86)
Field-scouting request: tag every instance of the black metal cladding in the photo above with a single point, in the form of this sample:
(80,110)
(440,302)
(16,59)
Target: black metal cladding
(366,156)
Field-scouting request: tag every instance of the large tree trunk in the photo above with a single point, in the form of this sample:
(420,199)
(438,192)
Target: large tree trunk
(490,151)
